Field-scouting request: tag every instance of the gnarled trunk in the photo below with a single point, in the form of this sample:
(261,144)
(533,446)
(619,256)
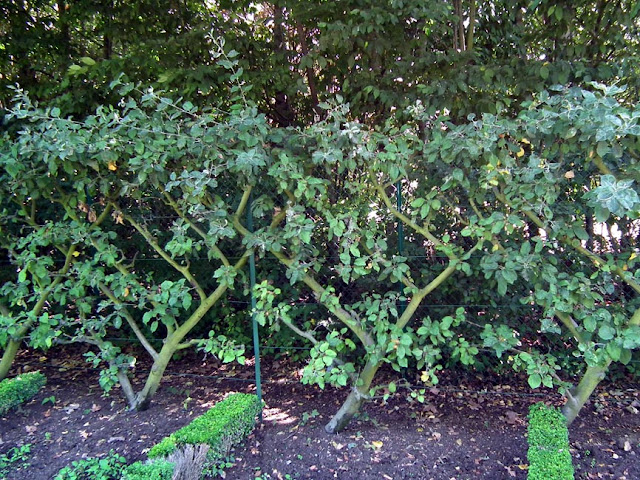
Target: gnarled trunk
(143,398)
(356,398)
(581,393)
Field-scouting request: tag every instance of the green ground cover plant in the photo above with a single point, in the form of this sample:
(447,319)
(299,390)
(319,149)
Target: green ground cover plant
(108,468)
(18,390)
(548,454)
(15,458)
(222,427)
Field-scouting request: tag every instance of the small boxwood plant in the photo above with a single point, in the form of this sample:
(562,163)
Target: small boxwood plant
(221,427)
(548,454)
(18,390)
(155,470)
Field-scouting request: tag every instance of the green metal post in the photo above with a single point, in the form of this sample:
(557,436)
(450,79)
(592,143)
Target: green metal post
(403,303)
(256,337)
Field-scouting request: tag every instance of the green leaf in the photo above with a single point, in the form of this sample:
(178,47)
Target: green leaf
(606,332)
(535,380)
(590,323)
(544,72)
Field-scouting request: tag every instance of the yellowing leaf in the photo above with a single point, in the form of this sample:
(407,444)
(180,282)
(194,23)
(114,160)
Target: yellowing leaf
(520,153)
(112,166)
(377,444)
(76,253)
(126,292)
(570,174)
(526,140)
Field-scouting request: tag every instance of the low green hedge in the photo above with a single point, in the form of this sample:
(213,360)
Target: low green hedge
(18,390)
(156,470)
(223,426)
(548,454)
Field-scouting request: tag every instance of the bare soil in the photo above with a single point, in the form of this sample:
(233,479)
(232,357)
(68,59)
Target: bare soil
(470,427)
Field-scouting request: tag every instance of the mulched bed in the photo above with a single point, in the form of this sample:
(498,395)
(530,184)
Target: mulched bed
(470,427)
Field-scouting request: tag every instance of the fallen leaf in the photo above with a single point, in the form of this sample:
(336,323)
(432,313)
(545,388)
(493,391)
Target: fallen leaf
(71,408)
(512,417)
(627,446)
(95,408)
(31,428)
(377,444)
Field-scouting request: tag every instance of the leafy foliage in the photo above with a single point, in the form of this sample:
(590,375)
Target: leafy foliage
(108,468)
(15,458)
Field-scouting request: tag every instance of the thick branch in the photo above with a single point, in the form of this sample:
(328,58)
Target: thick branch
(183,270)
(406,220)
(422,293)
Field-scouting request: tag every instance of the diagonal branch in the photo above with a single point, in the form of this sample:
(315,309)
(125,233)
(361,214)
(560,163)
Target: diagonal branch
(183,270)
(130,320)
(171,201)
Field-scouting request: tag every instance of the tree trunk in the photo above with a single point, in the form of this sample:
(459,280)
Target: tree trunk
(8,356)
(347,411)
(143,399)
(358,395)
(581,393)
(172,344)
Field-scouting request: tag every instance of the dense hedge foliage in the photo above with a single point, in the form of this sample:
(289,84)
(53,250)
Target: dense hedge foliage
(222,427)
(549,456)
(156,470)
(18,390)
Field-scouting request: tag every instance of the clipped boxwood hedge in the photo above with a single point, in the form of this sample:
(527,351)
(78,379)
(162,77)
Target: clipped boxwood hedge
(18,390)
(156,470)
(548,454)
(221,427)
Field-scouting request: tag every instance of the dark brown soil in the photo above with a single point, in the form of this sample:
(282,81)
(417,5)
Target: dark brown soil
(468,428)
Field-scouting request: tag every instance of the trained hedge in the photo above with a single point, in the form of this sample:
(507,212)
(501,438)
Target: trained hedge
(223,426)
(549,456)
(156,470)
(18,390)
